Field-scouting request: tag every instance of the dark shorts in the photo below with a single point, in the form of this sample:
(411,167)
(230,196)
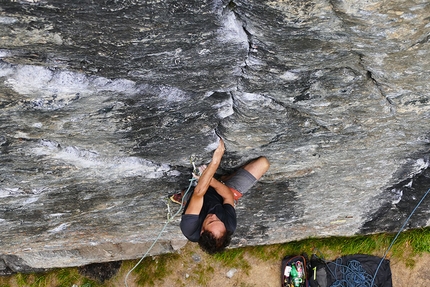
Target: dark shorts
(242,181)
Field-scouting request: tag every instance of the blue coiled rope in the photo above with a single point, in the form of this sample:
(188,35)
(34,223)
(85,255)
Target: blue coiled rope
(351,275)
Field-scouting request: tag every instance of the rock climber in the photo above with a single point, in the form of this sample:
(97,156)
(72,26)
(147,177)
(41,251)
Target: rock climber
(209,216)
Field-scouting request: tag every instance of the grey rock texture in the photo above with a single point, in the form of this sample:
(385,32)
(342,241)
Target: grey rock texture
(103,103)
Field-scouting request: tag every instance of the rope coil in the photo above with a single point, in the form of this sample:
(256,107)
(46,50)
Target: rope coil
(351,275)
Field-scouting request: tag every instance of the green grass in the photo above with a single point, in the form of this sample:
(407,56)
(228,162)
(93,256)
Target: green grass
(153,270)
(203,274)
(233,258)
(64,277)
(419,240)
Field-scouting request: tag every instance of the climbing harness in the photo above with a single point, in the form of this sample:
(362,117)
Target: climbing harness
(169,219)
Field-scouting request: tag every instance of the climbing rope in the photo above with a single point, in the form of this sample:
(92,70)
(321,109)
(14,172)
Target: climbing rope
(169,219)
(351,275)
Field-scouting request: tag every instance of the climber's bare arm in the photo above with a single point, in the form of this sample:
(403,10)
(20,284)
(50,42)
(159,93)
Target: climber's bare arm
(196,201)
(223,190)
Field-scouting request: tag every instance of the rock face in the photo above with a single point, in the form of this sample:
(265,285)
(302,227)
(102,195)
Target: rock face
(104,103)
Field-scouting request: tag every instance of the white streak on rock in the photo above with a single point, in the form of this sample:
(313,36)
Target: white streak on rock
(30,200)
(59,228)
(212,146)
(232,30)
(99,165)
(224,108)
(289,76)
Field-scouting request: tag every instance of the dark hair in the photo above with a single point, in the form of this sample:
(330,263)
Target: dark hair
(209,243)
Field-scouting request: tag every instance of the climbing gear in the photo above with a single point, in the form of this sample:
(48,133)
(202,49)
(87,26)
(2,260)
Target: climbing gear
(294,271)
(195,169)
(349,270)
(177,198)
